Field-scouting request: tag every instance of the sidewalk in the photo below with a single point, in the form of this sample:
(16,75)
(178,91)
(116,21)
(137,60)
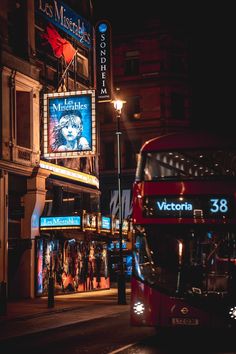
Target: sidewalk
(29,316)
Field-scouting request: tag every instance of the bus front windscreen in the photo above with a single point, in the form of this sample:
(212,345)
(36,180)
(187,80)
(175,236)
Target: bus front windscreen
(186,164)
(186,260)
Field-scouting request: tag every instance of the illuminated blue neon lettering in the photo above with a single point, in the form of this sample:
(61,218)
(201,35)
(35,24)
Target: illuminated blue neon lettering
(106,223)
(60,221)
(174,206)
(219,205)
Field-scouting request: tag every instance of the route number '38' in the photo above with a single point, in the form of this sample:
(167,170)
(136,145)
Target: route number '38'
(219,205)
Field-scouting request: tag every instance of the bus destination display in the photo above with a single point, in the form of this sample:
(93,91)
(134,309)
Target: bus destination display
(189,207)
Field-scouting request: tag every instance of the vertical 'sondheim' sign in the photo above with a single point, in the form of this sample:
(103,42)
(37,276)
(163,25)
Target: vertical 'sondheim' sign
(103,61)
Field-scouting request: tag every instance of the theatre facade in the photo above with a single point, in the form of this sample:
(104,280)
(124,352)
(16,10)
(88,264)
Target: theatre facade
(51,226)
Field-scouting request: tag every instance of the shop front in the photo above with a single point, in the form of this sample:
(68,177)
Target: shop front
(72,251)
(114,250)
(114,260)
(73,247)
(75,263)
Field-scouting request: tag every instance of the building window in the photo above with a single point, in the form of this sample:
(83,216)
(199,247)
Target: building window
(23,119)
(132,107)
(177,106)
(132,63)
(82,65)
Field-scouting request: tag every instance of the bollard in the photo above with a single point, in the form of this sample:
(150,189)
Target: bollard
(50,292)
(3,298)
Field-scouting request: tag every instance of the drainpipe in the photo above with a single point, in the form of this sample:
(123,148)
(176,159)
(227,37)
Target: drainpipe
(12,111)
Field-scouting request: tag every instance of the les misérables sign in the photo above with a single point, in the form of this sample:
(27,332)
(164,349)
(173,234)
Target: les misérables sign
(63,17)
(103,61)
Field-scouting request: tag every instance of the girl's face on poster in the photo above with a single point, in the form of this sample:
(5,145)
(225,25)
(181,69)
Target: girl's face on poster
(71,127)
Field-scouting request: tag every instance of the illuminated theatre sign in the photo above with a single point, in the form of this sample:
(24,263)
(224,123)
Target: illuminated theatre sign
(103,61)
(69,124)
(66,19)
(70,174)
(205,206)
(60,222)
(105,224)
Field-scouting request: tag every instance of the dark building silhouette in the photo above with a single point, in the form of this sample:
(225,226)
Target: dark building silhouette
(151,70)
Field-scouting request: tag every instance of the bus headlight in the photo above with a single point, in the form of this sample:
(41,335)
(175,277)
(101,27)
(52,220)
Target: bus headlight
(232,312)
(139,308)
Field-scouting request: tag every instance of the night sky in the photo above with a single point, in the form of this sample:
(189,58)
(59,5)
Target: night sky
(212,60)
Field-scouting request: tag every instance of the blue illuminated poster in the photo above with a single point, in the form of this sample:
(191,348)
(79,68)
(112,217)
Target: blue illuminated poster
(40,266)
(106,223)
(69,124)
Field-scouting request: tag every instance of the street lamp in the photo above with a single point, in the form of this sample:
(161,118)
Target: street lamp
(118,105)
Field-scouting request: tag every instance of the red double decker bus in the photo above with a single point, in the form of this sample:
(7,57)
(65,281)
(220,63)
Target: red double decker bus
(184,219)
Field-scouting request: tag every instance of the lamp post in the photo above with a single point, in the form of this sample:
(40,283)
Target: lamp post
(118,105)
